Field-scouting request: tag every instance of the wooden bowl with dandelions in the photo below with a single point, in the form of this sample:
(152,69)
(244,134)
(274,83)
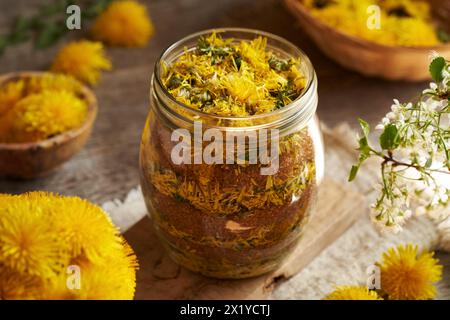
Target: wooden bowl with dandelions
(394,62)
(27,160)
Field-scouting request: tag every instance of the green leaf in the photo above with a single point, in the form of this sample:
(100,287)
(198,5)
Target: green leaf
(389,137)
(279,64)
(443,36)
(436,67)
(51,32)
(365,127)
(23,24)
(353,173)
(17,37)
(3,44)
(21,31)
(95,8)
(364,149)
(237,61)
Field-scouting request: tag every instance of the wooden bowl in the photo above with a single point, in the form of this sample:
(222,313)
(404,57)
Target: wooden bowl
(369,58)
(35,159)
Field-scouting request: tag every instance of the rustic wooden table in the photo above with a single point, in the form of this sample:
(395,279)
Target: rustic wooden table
(108,166)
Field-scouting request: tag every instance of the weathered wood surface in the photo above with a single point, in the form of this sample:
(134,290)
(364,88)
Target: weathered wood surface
(161,278)
(108,166)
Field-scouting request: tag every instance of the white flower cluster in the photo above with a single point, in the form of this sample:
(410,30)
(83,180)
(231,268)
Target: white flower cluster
(416,173)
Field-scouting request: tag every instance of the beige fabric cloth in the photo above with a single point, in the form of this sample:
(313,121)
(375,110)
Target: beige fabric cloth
(346,260)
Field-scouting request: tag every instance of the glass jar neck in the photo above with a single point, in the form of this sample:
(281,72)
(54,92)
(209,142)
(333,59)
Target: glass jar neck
(297,114)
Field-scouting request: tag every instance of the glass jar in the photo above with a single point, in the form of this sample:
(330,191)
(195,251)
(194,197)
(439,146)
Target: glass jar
(230,218)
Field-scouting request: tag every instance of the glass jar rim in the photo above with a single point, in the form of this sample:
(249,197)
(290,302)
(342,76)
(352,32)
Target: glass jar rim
(310,77)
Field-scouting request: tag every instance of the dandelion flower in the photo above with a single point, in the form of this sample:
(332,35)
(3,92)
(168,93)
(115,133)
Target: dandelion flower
(255,53)
(99,237)
(13,91)
(29,117)
(41,116)
(404,22)
(10,94)
(37,248)
(83,60)
(123,23)
(26,244)
(243,89)
(352,293)
(54,82)
(407,275)
(100,278)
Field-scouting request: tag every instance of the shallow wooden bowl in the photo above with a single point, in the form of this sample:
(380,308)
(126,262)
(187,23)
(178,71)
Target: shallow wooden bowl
(369,58)
(36,159)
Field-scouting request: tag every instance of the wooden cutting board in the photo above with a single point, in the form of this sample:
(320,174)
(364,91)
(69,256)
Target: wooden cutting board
(161,278)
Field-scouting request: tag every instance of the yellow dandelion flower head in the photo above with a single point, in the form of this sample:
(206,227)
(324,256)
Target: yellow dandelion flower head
(243,88)
(99,237)
(352,293)
(255,53)
(83,60)
(407,275)
(411,32)
(100,280)
(15,90)
(42,115)
(38,249)
(123,23)
(10,94)
(27,245)
(54,82)
(404,22)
